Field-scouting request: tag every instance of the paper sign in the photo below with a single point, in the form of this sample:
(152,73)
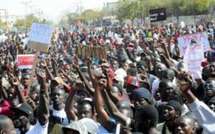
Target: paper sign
(201,38)
(25,61)
(40,37)
(194,55)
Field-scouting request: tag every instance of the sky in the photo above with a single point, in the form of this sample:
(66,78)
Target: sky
(51,9)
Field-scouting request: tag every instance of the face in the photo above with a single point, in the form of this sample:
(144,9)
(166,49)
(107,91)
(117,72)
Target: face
(140,102)
(212,69)
(22,123)
(159,68)
(209,88)
(184,126)
(169,113)
(26,82)
(85,111)
(57,96)
(167,91)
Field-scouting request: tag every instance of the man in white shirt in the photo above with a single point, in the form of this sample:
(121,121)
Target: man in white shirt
(203,114)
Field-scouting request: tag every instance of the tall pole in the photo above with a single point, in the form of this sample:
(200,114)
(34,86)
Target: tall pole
(26,5)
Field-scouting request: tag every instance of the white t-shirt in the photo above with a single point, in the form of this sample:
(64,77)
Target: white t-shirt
(60,114)
(155,86)
(38,129)
(120,74)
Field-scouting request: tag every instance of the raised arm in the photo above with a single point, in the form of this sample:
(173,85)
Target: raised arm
(104,118)
(113,97)
(114,110)
(43,108)
(69,107)
(15,83)
(83,78)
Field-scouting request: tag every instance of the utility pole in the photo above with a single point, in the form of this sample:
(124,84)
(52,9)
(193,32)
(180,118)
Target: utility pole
(26,4)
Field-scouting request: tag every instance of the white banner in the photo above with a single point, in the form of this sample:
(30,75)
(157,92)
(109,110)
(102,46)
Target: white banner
(200,38)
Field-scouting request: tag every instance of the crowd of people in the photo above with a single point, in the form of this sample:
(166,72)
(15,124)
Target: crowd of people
(139,85)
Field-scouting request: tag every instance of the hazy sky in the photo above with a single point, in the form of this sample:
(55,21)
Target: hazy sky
(50,8)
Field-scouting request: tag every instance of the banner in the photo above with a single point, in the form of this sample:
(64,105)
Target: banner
(193,57)
(25,61)
(157,14)
(88,51)
(40,37)
(200,38)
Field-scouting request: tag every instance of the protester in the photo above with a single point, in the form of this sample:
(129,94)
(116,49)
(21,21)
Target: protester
(116,80)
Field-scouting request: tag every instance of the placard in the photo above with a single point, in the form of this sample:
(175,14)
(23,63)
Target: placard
(25,61)
(40,37)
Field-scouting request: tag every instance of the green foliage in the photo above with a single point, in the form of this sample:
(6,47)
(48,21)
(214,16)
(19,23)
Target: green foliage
(90,15)
(26,22)
(129,9)
(86,16)
(3,25)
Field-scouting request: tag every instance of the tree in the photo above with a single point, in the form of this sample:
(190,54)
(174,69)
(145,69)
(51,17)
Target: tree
(3,25)
(90,15)
(130,9)
(26,22)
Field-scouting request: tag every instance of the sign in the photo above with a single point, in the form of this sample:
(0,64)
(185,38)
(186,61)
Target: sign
(25,61)
(200,38)
(89,51)
(40,37)
(193,57)
(157,14)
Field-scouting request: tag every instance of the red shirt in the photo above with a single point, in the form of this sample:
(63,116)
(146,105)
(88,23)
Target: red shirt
(5,108)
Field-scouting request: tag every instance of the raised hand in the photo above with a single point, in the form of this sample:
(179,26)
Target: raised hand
(185,81)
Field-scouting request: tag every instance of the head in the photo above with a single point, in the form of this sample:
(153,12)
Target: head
(209,88)
(131,83)
(171,110)
(167,90)
(6,125)
(184,125)
(181,66)
(141,97)
(124,108)
(22,118)
(75,127)
(167,74)
(85,109)
(158,68)
(26,77)
(57,96)
(146,118)
(211,103)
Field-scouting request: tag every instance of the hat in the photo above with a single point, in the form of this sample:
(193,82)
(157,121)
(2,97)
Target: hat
(90,125)
(24,108)
(146,113)
(26,73)
(176,105)
(167,74)
(142,93)
(76,126)
(26,76)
